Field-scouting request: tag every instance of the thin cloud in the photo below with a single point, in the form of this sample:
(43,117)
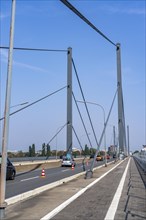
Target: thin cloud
(28,66)
(138,11)
(119,10)
(4,58)
(3,16)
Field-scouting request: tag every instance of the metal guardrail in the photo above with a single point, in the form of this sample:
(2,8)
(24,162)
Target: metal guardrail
(141,159)
(22,166)
(21,159)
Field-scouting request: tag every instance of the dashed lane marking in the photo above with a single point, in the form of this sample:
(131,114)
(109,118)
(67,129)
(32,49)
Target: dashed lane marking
(35,177)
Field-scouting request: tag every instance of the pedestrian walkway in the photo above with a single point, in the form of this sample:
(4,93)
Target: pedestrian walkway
(132,204)
(94,203)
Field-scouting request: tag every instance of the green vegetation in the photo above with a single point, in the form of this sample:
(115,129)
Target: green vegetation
(45,151)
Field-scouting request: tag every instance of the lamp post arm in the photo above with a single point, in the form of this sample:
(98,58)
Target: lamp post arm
(108,116)
(92,165)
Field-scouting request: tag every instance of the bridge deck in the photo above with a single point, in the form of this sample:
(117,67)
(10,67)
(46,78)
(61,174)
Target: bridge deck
(94,203)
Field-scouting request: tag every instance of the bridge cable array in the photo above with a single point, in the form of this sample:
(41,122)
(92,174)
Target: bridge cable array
(72,8)
(57,133)
(34,49)
(85,102)
(33,103)
(82,119)
(83,161)
(46,50)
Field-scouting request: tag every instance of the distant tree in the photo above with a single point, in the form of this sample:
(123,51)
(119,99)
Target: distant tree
(61,153)
(87,150)
(26,154)
(33,150)
(92,150)
(53,152)
(48,150)
(30,151)
(102,152)
(10,154)
(43,149)
(20,154)
(74,154)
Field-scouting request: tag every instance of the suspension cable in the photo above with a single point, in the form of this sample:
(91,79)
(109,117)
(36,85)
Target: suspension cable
(82,119)
(72,8)
(35,102)
(85,103)
(123,123)
(34,49)
(83,162)
(100,141)
(57,133)
(77,138)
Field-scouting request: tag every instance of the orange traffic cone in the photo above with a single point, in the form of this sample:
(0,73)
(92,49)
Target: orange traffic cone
(43,173)
(72,167)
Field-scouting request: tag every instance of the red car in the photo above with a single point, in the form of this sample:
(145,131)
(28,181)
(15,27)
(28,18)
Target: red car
(107,157)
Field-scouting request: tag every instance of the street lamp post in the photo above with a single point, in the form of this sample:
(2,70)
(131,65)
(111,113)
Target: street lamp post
(6,115)
(57,132)
(56,140)
(93,103)
(56,147)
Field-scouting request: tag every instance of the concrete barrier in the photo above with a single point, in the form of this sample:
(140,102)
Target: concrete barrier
(32,165)
(142,161)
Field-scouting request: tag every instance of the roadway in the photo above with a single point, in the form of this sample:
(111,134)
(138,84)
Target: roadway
(30,180)
(90,198)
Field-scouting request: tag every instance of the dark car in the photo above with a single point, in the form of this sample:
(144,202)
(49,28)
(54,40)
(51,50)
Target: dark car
(11,171)
(91,156)
(114,155)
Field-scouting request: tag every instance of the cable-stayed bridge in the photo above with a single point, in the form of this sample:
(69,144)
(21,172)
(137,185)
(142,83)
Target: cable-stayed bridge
(68,124)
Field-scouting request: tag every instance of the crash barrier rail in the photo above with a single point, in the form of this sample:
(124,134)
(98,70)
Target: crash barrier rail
(21,159)
(141,159)
(32,165)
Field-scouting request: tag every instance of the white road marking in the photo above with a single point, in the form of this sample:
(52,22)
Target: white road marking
(71,199)
(23,180)
(35,177)
(64,170)
(114,204)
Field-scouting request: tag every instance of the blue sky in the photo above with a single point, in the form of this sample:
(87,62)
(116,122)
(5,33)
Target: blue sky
(50,24)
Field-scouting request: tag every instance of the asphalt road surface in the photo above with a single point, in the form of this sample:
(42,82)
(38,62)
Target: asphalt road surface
(31,180)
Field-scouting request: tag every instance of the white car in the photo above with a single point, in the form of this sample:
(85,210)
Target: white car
(66,162)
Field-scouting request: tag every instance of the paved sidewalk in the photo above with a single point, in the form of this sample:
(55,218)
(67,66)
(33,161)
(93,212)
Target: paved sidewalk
(132,205)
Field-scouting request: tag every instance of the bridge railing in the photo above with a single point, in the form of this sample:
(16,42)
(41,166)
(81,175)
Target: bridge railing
(141,159)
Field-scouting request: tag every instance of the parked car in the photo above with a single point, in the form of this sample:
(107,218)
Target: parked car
(68,162)
(11,171)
